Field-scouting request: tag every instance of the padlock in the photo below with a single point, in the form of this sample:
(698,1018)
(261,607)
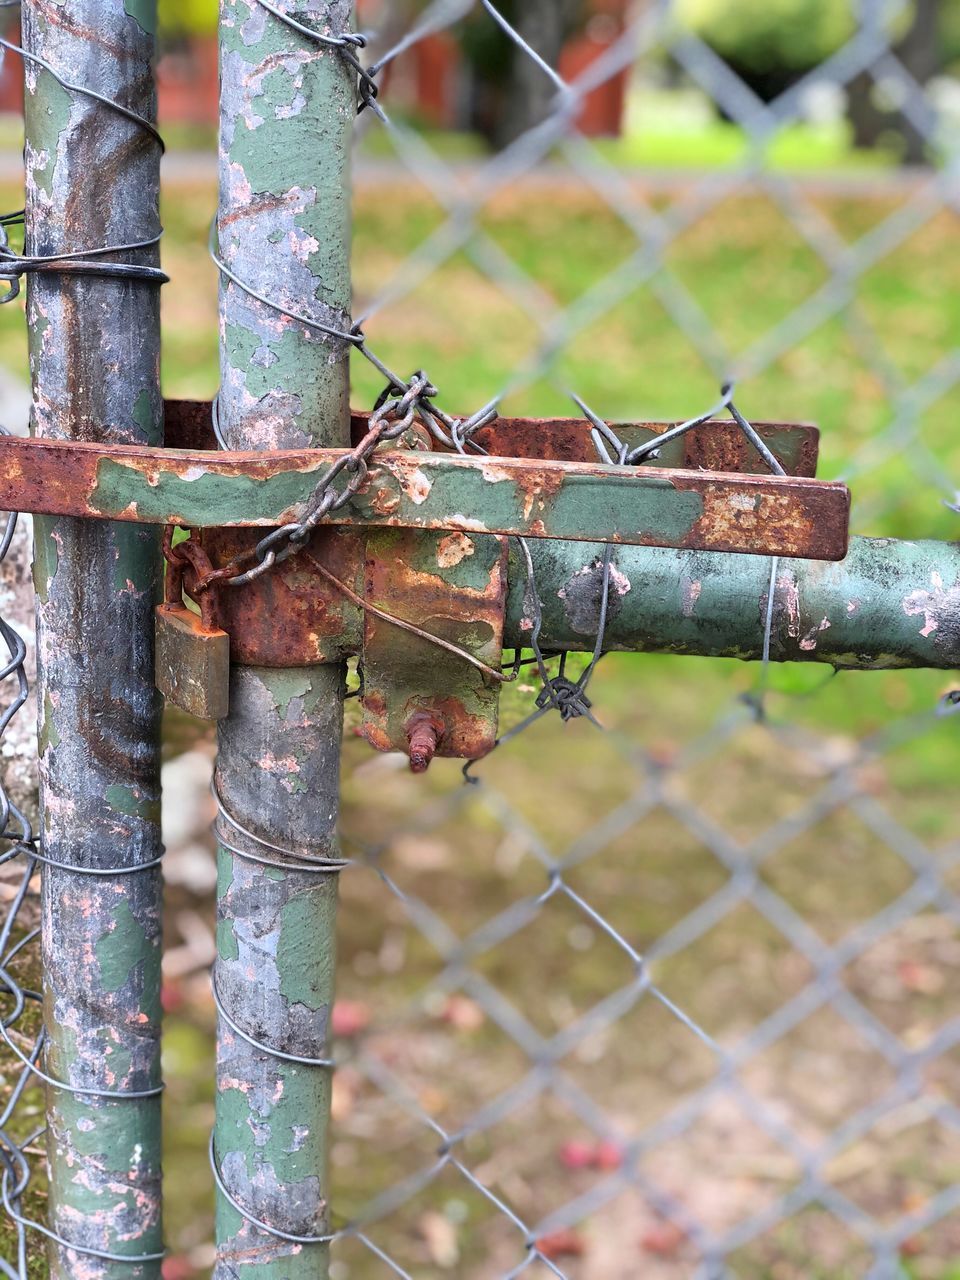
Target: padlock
(192,654)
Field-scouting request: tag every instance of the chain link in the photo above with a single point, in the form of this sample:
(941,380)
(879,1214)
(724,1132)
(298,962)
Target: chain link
(716,1071)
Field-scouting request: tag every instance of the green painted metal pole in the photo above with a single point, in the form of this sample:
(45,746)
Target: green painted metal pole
(287,110)
(92,181)
(888,604)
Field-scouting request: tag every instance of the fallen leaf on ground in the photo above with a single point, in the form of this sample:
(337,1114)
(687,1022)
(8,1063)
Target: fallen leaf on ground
(349,1018)
(440,1236)
(562,1244)
(662,1239)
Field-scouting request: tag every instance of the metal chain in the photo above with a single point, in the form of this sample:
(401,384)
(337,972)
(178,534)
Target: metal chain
(399,407)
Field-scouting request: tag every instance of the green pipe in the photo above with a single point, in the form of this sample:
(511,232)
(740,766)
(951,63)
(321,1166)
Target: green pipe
(888,604)
(93,181)
(286,118)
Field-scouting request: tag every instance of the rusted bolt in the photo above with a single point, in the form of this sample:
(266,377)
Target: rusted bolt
(423,735)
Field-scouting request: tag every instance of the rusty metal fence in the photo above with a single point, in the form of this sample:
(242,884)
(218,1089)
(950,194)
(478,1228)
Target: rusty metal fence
(664,988)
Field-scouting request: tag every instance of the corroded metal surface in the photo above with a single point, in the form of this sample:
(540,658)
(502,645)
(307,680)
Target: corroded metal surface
(291,616)
(717,445)
(278,773)
(709,511)
(92,179)
(286,120)
(888,604)
(192,663)
(451,586)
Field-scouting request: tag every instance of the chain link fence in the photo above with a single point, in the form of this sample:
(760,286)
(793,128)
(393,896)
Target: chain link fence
(673,999)
(666,991)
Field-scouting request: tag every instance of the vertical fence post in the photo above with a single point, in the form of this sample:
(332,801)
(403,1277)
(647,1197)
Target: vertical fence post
(93,180)
(287,109)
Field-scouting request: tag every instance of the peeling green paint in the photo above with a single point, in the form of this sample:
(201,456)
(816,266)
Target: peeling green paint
(47,736)
(469,496)
(143,415)
(227,948)
(46,555)
(224,876)
(285,686)
(306,950)
(269,367)
(206,501)
(286,124)
(49,123)
(100,1131)
(888,605)
(93,177)
(120,949)
(144,13)
(133,803)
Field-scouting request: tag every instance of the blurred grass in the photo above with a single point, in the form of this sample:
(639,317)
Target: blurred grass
(679,129)
(746,270)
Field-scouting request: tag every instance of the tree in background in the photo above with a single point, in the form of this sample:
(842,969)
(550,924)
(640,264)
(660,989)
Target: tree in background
(924,51)
(510,94)
(772,44)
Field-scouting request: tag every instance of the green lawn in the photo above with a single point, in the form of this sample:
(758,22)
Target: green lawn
(744,269)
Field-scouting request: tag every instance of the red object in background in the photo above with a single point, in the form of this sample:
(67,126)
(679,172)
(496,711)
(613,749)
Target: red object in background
(437,66)
(177,1267)
(664,1239)
(602,112)
(562,1244)
(187,83)
(349,1018)
(11,72)
(605,1156)
(577,1155)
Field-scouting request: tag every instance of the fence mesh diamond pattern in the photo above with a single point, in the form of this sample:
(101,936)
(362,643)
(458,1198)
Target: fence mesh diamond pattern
(667,990)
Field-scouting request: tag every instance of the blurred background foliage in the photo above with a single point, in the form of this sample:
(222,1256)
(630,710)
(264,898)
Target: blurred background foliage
(867,371)
(765,38)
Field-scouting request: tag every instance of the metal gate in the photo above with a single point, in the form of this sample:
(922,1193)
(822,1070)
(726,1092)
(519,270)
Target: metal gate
(290,553)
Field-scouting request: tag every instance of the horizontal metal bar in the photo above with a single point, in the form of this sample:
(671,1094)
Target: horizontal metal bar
(715,445)
(888,604)
(754,515)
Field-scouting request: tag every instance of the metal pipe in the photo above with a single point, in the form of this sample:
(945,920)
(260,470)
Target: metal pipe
(888,604)
(287,109)
(93,180)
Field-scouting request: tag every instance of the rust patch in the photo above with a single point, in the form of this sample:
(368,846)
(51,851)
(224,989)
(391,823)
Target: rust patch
(717,445)
(454,549)
(783,517)
(291,617)
(410,682)
(413,481)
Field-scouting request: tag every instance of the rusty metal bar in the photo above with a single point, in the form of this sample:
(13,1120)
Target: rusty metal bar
(286,116)
(888,604)
(715,445)
(93,181)
(703,510)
